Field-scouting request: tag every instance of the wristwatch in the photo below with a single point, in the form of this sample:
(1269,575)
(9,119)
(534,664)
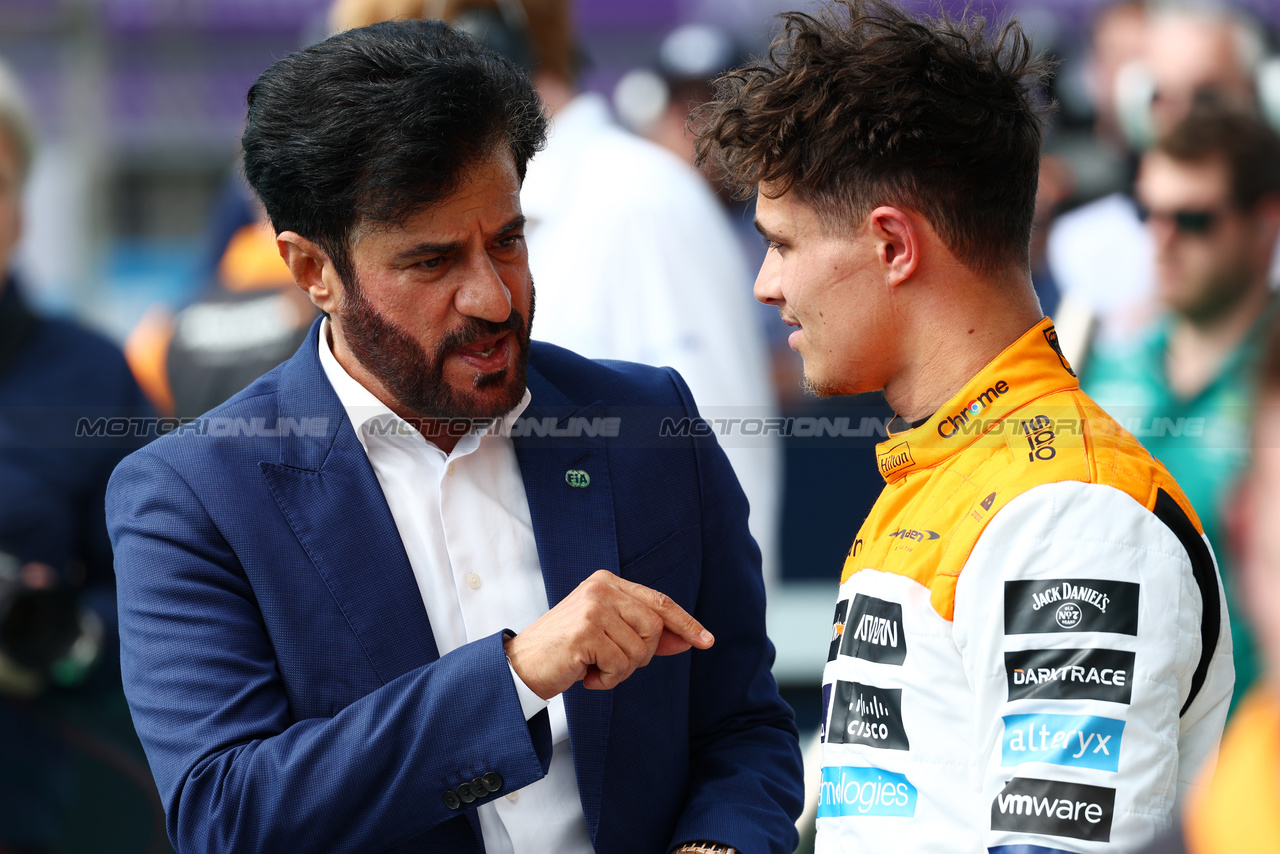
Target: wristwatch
(702,847)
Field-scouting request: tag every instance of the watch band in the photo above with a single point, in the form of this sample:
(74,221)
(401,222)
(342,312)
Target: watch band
(703,847)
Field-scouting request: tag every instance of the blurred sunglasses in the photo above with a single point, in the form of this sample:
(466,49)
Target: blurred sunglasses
(1194,222)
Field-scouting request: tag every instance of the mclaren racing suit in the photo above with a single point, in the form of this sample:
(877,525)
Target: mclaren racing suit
(1031,651)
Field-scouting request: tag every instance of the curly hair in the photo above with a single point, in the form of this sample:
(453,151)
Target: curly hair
(874,106)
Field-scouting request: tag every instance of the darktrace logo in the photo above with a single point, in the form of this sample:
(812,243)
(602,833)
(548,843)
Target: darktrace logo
(873,631)
(1051,336)
(1074,741)
(918,536)
(1070,605)
(837,628)
(1070,674)
(1054,808)
(865,714)
(1039,434)
(949,427)
(895,459)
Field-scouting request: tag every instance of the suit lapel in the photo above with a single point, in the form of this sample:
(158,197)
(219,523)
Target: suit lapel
(575,532)
(331,498)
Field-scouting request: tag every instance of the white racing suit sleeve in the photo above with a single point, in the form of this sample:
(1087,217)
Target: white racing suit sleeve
(1078,616)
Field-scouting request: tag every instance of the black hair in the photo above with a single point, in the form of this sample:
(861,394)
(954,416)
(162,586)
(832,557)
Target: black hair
(376,124)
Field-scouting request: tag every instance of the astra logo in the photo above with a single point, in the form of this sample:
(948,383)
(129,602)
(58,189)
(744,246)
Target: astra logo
(1077,741)
(865,714)
(865,791)
(949,427)
(918,536)
(1070,605)
(1070,674)
(897,457)
(1054,809)
(837,628)
(874,631)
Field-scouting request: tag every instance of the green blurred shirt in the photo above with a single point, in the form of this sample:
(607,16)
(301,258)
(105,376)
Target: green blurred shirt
(1203,441)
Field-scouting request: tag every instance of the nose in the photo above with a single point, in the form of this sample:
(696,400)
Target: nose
(1162,231)
(484,294)
(768,288)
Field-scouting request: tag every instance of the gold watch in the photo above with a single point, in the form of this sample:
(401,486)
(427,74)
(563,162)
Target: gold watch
(702,847)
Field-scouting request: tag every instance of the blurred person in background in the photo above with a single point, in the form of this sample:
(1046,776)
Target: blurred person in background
(1150,66)
(638,259)
(59,678)
(248,318)
(1238,811)
(1210,193)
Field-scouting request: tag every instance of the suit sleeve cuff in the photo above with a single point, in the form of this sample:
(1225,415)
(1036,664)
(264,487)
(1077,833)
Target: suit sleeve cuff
(530,703)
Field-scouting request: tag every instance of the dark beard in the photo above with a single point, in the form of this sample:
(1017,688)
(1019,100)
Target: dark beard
(416,377)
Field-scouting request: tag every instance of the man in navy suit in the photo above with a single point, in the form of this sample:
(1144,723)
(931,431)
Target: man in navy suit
(428,586)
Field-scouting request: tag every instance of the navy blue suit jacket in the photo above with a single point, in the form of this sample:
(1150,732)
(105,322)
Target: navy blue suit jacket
(281,669)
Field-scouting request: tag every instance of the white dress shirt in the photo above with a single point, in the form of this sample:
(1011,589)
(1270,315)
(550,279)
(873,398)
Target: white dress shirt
(464,520)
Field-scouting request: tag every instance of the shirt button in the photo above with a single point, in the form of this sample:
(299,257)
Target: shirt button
(473,581)
(450,468)
(513,797)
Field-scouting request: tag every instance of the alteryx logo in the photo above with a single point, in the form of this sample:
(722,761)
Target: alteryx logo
(1077,741)
(850,791)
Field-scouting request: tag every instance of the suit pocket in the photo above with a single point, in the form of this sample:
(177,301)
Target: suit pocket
(671,562)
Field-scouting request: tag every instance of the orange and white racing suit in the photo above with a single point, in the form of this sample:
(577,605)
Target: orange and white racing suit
(1030,652)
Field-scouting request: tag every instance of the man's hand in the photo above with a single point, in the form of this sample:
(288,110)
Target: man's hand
(600,634)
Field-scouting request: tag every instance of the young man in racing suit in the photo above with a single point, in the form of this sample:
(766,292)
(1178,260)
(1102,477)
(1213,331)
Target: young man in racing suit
(1030,651)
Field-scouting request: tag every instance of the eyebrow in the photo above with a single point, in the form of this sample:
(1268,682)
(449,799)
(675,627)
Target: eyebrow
(424,250)
(764,232)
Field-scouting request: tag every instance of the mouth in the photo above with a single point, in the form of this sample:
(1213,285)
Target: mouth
(487,354)
(794,338)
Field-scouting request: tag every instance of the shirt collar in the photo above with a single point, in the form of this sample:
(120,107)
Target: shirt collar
(364,410)
(1028,369)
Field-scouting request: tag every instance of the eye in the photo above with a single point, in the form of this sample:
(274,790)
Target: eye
(510,240)
(431,263)
(771,245)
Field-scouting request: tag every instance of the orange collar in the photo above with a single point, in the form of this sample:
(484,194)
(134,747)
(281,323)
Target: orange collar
(1028,369)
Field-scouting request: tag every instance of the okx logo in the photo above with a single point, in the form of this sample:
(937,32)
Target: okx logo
(1053,808)
(1070,674)
(1070,605)
(1077,741)
(865,791)
(873,631)
(865,714)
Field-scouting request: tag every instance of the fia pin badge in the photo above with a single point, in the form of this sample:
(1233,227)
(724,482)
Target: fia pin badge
(577,478)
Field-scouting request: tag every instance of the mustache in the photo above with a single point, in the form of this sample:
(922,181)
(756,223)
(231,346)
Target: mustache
(476,328)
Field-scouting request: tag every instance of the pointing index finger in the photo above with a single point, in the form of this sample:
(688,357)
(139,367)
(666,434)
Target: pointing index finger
(676,619)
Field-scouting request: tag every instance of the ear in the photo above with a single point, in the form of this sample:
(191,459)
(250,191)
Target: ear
(312,270)
(897,243)
(1267,215)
